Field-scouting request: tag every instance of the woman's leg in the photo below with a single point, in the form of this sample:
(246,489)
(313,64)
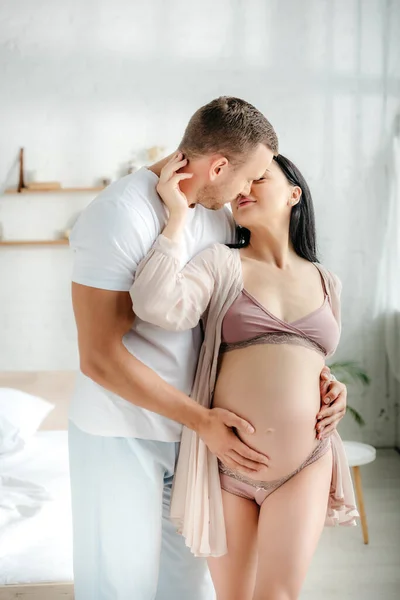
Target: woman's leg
(290,524)
(234,574)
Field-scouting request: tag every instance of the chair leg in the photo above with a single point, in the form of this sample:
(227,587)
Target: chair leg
(360,502)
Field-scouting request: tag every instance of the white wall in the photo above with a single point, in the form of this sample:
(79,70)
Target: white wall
(84,84)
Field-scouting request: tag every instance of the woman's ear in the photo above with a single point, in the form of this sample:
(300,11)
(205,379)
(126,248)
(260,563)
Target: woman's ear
(296,195)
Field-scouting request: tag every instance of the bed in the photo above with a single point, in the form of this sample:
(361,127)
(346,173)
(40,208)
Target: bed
(36,549)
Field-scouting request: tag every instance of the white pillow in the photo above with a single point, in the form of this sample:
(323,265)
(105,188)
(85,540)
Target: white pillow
(20,417)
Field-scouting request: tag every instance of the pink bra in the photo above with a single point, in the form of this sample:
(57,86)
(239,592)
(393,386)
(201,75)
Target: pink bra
(247,322)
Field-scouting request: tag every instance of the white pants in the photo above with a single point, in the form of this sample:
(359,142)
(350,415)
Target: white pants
(125,547)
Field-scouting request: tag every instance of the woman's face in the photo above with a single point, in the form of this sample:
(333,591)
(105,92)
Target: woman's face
(270,200)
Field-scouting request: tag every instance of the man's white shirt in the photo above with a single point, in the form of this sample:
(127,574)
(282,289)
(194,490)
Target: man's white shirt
(109,240)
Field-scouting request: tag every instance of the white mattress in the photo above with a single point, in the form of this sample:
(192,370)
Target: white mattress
(38,548)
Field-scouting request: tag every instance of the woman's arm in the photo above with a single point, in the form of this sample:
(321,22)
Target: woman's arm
(163,293)
(167,296)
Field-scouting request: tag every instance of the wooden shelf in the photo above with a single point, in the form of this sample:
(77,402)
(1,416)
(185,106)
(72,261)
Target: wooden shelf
(70,190)
(61,242)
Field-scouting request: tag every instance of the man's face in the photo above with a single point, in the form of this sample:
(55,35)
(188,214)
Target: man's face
(235,181)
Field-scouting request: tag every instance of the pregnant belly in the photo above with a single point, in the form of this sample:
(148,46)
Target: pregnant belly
(276,389)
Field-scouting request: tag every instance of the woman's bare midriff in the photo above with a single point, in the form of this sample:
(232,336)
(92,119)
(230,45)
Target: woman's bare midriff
(276,388)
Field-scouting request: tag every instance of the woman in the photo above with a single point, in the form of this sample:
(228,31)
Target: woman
(271,317)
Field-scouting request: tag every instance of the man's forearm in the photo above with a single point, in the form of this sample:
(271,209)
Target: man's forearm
(124,375)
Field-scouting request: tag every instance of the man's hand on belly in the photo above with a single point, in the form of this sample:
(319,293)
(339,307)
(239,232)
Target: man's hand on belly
(333,404)
(217,433)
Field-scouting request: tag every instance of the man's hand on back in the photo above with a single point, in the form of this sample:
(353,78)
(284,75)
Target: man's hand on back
(333,404)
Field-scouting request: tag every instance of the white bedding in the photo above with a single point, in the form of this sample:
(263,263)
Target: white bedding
(36,537)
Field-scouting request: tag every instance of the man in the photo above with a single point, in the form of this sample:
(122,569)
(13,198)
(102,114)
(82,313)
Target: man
(132,397)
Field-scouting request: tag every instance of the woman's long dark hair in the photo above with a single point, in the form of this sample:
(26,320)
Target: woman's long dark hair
(302,220)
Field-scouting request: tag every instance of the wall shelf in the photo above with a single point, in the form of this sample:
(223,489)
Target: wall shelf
(70,190)
(10,243)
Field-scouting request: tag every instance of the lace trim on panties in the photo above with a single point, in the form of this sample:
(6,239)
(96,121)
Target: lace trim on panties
(275,338)
(319,451)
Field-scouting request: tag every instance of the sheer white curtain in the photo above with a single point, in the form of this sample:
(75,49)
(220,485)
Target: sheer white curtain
(389,283)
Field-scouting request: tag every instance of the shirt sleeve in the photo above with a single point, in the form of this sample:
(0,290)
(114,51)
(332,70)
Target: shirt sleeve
(169,297)
(108,241)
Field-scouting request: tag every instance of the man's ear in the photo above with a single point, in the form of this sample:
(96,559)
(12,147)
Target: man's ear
(217,167)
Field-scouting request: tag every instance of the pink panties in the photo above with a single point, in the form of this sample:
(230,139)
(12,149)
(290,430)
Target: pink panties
(240,485)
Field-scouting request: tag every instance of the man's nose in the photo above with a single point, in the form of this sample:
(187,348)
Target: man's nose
(247,189)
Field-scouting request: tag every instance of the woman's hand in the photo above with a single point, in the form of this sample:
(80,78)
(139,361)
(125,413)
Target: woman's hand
(168,185)
(173,197)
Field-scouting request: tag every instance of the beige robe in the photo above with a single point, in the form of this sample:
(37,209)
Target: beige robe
(176,299)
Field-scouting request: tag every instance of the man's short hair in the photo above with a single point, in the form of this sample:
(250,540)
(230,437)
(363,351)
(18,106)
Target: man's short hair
(228,126)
